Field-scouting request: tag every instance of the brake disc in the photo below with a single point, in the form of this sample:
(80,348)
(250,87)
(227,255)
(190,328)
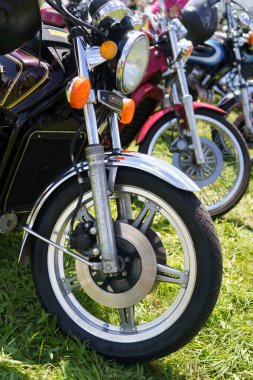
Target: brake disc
(202,175)
(138,267)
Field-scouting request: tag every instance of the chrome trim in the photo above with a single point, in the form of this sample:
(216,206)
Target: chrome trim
(94,57)
(179,28)
(135,20)
(133,37)
(114,9)
(83,64)
(114,127)
(149,164)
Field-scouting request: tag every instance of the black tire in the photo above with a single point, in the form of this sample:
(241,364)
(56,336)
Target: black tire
(229,107)
(221,205)
(207,261)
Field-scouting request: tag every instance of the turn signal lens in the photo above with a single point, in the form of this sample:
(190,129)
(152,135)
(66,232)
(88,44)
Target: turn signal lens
(250,40)
(108,50)
(78,92)
(188,52)
(127,114)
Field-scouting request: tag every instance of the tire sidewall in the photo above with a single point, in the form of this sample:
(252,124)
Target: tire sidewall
(219,211)
(206,287)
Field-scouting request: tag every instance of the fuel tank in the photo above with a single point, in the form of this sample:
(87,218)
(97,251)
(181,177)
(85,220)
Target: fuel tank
(25,79)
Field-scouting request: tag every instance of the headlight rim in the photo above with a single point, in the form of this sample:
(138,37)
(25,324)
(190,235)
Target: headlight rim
(115,9)
(133,37)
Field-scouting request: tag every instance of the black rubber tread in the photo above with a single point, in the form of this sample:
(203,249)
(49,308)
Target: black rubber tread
(219,211)
(208,282)
(239,123)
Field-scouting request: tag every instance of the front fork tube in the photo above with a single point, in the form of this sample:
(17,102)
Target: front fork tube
(190,115)
(98,180)
(247,110)
(100,194)
(246,106)
(186,98)
(124,208)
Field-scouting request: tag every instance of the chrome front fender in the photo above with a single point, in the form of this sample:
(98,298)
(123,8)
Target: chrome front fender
(149,164)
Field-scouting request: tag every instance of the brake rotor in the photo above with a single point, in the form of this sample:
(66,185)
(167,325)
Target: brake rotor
(202,175)
(138,267)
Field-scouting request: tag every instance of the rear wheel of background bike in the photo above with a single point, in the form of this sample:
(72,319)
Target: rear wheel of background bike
(235,115)
(170,269)
(224,177)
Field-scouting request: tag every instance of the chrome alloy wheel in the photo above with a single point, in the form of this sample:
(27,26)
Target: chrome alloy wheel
(202,175)
(223,189)
(174,281)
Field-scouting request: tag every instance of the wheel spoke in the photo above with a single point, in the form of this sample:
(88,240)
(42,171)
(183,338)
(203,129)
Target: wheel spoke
(70,283)
(145,217)
(124,207)
(127,319)
(171,275)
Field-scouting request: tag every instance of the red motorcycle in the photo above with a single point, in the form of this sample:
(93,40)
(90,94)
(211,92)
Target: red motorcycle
(193,136)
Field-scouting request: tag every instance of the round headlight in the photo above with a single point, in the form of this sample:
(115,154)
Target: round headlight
(133,62)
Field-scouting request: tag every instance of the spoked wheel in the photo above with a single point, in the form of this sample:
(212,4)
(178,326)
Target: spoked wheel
(235,115)
(170,269)
(224,176)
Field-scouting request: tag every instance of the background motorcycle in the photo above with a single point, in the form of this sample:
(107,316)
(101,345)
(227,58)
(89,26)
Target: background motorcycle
(115,235)
(168,140)
(222,68)
(195,137)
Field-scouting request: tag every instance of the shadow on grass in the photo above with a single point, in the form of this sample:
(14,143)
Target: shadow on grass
(239,223)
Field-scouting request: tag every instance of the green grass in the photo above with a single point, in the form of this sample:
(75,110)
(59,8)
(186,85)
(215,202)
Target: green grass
(32,346)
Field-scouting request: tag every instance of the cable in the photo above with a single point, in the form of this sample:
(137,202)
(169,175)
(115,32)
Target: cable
(243,8)
(61,8)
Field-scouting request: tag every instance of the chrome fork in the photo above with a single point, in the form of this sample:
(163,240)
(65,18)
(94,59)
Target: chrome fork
(246,106)
(99,187)
(186,98)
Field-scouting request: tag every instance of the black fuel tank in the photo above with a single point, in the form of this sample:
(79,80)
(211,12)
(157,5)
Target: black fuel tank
(25,80)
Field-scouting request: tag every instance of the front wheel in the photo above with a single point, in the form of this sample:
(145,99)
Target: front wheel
(224,177)
(170,274)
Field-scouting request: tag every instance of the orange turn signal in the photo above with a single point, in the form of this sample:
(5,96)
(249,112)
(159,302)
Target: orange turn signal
(78,92)
(250,39)
(127,114)
(108,50)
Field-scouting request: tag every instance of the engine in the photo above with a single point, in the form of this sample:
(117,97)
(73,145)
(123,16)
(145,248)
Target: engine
(195,77)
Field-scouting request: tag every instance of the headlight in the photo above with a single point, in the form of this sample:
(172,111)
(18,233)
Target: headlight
(133,61)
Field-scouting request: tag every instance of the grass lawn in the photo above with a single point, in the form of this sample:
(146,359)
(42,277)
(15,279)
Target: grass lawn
(32,347)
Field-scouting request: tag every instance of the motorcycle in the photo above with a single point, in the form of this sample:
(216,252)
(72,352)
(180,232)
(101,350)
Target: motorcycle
(195,145)
(193,136)
(222,68)
(122,252)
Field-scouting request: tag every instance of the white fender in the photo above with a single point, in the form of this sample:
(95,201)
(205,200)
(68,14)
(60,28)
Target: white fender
(149,164)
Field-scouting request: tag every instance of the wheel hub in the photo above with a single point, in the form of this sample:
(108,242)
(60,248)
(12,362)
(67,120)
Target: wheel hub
(202,175)
(138,267)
